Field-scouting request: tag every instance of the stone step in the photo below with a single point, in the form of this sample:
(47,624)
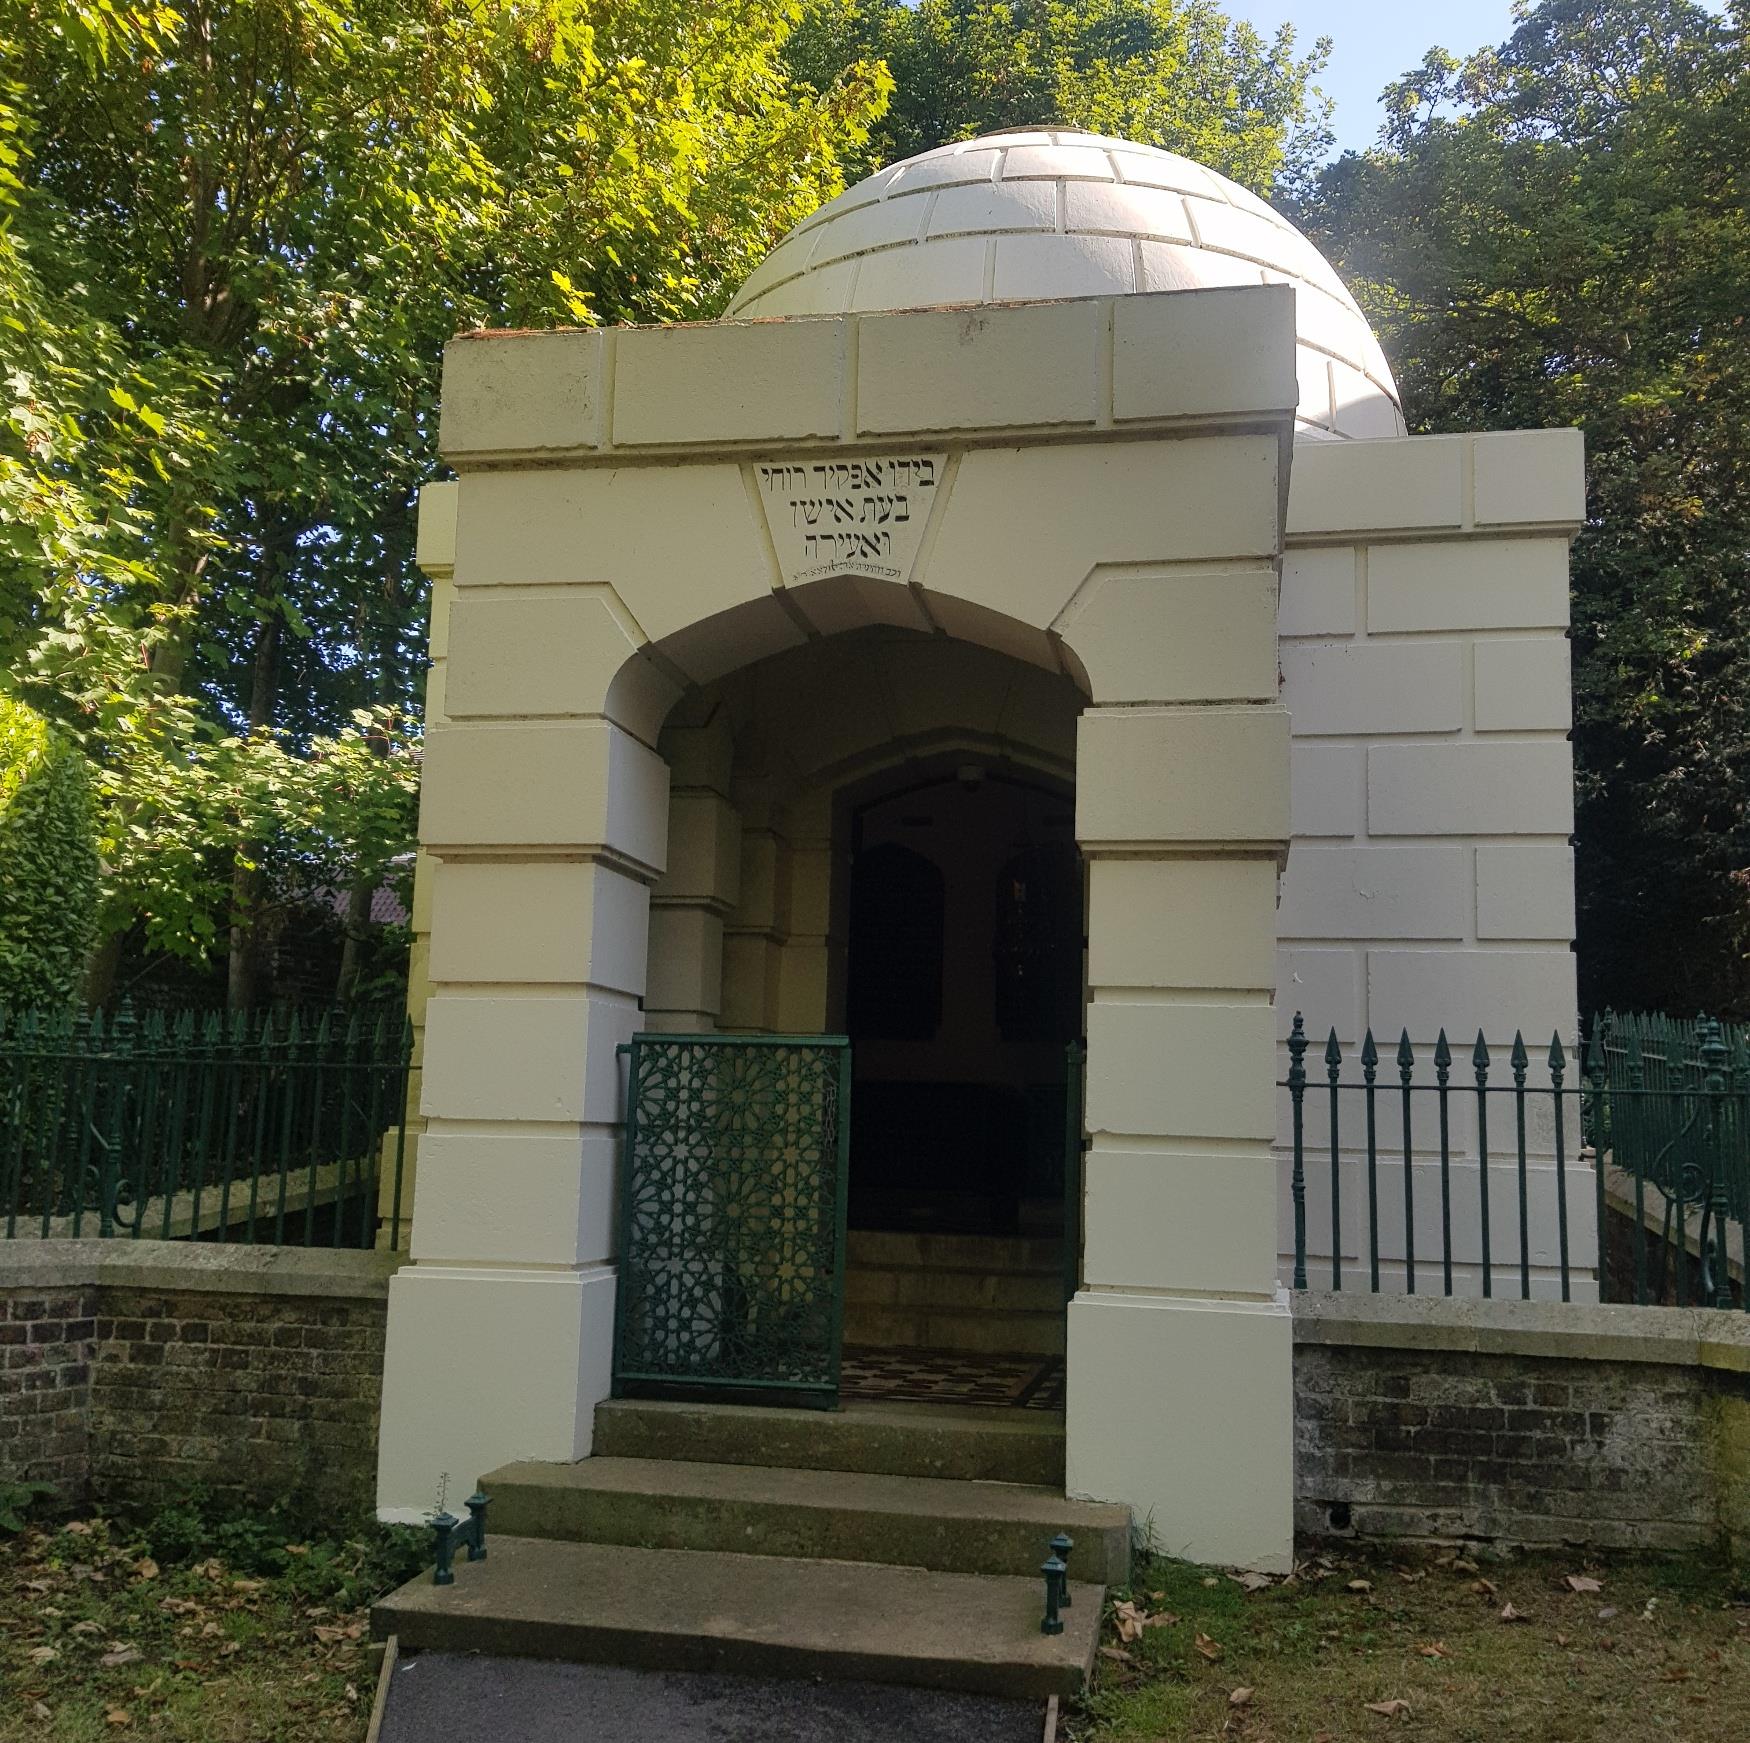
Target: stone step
(990,1331)
(961,1442)
(927,1522)
(767,1616)
(1036,1253)
(937,1286)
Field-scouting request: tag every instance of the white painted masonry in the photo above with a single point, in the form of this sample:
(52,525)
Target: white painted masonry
(1081,544)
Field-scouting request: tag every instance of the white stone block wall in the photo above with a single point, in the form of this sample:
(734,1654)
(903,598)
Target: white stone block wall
(1422,634)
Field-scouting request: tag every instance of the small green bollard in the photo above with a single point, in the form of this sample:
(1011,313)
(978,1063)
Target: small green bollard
(1054,1572)
(1061,1545)
(451,1533)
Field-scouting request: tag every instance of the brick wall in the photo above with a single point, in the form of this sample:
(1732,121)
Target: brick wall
(1521,1423)
(133,1374)
(46,1350)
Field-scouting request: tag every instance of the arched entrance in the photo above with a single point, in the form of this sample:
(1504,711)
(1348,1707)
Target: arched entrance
(873,836)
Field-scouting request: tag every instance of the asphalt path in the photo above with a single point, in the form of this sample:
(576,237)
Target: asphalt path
(464,1698)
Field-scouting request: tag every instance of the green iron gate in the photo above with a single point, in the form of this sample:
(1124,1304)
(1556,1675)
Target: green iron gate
(732,1216)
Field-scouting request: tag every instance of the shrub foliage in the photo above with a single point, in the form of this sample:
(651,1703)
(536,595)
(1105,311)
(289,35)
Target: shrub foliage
(48,861)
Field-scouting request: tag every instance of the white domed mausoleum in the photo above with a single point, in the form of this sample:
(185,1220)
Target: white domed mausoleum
(1033,216)
(898,760)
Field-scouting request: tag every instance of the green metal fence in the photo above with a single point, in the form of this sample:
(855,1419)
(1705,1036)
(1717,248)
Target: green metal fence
(270,1128)
(1653,1118)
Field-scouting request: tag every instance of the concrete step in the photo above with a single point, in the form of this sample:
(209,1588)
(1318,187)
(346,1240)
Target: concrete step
(1034,1253)
(927,1522)
(767,1616)
(963,1442)
(964,1290)
(994,1331)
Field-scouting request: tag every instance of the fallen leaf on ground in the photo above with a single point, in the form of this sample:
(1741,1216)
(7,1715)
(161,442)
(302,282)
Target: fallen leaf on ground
(1561,1640)
(86,1628)
(1410,1578)
(146,1568)
(1212,1581)
(1459,1564)
(1389,1709)
(1509,1614)
(1606,1613)
(78,1527)
(43,1655)
(1484,1588)
(1647,1614)
(118,1716)
(1361,1585)
(1252,1582)
(118,1655)
(1583,1583)
(41,1711)
(1239,1697)
(1434,1649)
(1117,1654)
(1207,1648)
(1126,1616)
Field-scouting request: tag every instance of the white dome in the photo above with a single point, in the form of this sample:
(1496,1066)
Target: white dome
(1033,216)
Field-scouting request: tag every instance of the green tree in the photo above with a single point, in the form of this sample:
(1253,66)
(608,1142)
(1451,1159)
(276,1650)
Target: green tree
(1555,232)
(1179,74)
(239,235)
(48,861)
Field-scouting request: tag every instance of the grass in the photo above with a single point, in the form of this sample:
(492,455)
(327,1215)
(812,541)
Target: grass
(198,1627)
(191,1627)
(1491,1653)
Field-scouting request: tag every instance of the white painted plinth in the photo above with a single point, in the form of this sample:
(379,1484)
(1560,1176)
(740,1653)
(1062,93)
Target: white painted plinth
(1184,1408)
(484,1366)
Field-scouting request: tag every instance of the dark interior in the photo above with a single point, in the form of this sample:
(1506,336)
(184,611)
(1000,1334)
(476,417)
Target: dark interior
(963,994)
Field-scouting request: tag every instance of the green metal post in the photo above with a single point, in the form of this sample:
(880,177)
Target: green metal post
(1406,1070)
(1443,1090)
(1369,1077)
(1333,1070)
(1297,1045)
(1557,1070)
(1521,1061)
(1480,1064)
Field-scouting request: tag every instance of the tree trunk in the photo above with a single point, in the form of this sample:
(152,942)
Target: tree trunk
(242,976)
(358,921)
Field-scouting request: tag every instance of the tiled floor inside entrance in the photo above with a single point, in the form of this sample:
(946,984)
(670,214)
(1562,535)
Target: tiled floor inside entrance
(1024,1382)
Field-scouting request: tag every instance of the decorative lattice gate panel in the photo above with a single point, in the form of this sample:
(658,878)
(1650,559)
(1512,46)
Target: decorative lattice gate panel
(732,1217)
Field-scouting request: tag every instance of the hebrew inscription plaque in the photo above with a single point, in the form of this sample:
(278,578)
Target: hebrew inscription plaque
(849,517)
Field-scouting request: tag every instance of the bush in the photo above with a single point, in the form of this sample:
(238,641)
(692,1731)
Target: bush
(48,861)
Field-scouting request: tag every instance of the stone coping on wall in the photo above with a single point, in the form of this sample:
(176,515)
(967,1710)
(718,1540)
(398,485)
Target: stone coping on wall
(1693,1337)
(189,1268)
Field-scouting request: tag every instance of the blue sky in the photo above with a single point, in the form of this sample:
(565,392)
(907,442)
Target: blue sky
(1374,41)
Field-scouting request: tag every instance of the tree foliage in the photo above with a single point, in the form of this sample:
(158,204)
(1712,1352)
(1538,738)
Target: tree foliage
(1555,232)
(233,240)
(48,861)
(1179,74)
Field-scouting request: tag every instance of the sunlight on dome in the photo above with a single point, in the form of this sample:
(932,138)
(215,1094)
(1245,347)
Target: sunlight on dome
(1032,216)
